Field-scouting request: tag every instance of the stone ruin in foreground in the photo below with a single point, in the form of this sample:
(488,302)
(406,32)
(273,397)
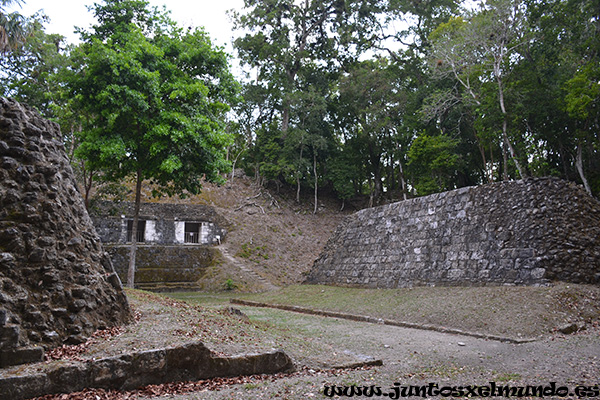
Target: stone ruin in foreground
(526,232)
(57,285)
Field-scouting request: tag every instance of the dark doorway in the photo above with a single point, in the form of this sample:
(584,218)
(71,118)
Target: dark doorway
(141,230)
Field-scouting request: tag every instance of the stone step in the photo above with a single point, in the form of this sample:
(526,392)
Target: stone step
(246,269)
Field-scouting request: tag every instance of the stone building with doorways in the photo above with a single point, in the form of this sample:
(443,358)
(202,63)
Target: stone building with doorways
(175,242)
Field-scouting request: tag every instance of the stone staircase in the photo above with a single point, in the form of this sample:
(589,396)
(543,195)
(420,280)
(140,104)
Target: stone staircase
(248,271)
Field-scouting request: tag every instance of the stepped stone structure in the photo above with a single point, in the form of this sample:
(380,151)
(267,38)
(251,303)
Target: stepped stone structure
(176,242)
(525,232)
(57,284)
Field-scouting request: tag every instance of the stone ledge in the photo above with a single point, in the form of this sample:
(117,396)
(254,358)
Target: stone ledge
(189,362)
(373,320)
(21,356)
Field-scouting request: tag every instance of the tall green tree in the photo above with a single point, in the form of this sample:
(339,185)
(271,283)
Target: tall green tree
(371,102)
(285,35)
(156,97)
(479,52)
(434,163)
(294,50)
(13,27)
(582,90)
(558,79)
(30,71)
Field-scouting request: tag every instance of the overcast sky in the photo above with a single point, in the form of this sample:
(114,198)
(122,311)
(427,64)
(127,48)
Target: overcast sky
(66,14)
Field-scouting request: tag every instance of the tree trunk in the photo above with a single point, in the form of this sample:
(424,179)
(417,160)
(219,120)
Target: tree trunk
(257,174)
(392,175)
(298,175)
(378,185)
(134,229)
(285,120)
(316,181)
(285,117)
(486,170)
(297,189)
(234,162)
(402,180)
(579,165)
(504,161)
(88,181)
(513,154)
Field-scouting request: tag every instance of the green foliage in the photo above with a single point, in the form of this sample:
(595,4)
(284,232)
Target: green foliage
(230,284)
(252,252)
(513,83)
(155,100)
(582,99)
(297,50)
(14,28)
(433,163)
(30,70)
(156,104)
(371,102)
(342,171)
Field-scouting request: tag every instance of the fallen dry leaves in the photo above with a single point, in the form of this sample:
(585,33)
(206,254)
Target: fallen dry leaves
(173,388)
(73,352)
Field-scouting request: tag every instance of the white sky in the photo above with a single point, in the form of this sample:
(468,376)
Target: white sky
(66,14)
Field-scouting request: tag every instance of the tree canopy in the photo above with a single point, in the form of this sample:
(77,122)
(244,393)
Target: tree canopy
(155,98)
(13,27)
(374,101)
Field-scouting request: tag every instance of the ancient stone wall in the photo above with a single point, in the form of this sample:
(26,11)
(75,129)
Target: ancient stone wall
(165,268)
(520,232)
(191,362)
(110,219)
(57,284)
(164,260)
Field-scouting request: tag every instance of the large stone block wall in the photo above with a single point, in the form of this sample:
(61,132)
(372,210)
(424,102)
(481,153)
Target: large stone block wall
(164,262)
(165,268)
(520,232)
(57,284)
(191,362)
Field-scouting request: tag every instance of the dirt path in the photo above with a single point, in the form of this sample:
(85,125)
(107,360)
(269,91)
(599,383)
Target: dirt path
(414,357)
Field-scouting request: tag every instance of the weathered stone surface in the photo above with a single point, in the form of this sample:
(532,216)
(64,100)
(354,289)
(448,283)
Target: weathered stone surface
(164,268)
(54,274)
(21,356)
(164,262)
(522,232)
(192,361)
(110,219)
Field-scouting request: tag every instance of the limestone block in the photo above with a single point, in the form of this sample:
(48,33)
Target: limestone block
(48,242)
(525,232)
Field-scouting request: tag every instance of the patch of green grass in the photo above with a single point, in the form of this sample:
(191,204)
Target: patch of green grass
(250,252)
(230,284)
(507,377)
(475,309)
(251,386)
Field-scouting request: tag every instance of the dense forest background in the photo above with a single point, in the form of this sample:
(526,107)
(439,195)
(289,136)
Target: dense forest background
(381,99)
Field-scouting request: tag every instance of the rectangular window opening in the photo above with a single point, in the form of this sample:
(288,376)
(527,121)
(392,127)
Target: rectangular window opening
(141,230)
(192,232)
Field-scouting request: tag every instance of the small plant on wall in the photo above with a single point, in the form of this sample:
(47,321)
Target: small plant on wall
(230,284)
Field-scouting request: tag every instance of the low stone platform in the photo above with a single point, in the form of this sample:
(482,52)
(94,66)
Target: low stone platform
(190,362)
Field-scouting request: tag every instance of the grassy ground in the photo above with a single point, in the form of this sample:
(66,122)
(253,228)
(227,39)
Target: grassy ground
(317,344)
(511,311)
